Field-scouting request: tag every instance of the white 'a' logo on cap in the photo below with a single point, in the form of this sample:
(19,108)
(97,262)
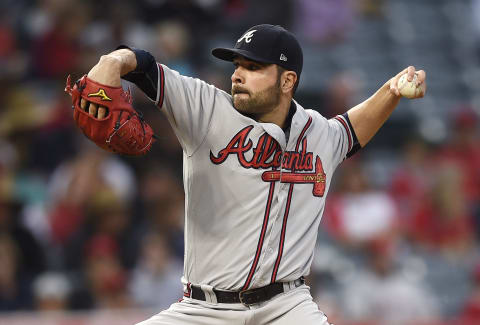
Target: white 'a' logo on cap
(247,36)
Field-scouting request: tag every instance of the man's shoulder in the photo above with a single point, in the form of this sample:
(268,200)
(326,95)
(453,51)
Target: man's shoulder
(314,114)
(195,82)
(223,94)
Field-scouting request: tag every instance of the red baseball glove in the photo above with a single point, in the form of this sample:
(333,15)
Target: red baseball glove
(122,130)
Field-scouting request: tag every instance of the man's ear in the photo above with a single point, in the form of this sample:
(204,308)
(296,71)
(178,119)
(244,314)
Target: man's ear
(288,80)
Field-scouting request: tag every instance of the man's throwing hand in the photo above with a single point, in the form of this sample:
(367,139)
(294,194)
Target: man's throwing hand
(409,83)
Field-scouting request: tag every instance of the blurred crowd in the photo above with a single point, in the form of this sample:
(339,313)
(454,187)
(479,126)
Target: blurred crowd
(83,229)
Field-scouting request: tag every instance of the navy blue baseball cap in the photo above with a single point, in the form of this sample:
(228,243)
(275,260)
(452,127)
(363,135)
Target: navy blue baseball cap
(267,44)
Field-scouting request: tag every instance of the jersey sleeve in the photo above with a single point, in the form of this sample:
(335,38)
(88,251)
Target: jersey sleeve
(342,138)
(187,102)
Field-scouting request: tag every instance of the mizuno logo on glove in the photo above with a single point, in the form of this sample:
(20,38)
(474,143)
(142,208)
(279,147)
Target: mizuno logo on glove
(100,93)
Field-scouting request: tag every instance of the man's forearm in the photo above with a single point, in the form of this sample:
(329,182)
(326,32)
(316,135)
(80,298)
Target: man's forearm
(112,66)
(367,117)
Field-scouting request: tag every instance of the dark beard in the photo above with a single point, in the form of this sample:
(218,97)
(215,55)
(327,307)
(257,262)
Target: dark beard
(258,103)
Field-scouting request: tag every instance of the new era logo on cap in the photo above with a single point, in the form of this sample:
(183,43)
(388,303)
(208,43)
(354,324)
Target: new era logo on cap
(283,57)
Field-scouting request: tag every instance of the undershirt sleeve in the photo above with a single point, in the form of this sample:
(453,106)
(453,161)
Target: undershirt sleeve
(145,75)
(355,144)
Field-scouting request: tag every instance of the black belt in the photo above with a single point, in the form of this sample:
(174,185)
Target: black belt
(247,297)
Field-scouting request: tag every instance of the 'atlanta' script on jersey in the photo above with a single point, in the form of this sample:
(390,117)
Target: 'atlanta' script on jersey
(268,154)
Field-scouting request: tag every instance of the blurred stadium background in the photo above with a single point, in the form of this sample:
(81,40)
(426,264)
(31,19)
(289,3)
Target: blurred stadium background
(87,237)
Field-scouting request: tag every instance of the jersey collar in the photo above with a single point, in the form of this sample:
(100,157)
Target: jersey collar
(296,120)
(288,120)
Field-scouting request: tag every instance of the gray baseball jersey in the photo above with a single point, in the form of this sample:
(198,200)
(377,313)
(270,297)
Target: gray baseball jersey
(254,199)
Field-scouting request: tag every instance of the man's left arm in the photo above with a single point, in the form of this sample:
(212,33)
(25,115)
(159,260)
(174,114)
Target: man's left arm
(367,117)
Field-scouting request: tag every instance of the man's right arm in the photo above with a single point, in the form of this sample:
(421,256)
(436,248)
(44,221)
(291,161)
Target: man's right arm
(187,102)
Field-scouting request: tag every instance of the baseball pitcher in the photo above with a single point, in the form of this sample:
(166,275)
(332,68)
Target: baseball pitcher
(257,169)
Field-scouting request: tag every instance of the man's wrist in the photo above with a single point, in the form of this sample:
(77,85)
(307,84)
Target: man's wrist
(123,59)
(107,71)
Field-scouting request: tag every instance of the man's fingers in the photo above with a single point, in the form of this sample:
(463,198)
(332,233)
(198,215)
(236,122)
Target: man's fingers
(394,85)
(394,80)
(102,111)
(83,104)
(421,77)
(410,72)
(423,89)
(92,109)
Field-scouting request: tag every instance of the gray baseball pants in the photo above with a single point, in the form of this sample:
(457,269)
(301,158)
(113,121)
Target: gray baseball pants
(289,308)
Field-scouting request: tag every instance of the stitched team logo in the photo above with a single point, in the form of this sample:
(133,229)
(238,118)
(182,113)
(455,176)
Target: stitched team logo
(247,36)
(297,165)
(317,178)
(100,93)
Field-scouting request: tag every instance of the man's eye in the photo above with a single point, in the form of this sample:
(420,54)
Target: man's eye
(253,67)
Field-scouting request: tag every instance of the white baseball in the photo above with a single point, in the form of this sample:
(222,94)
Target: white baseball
(407,88)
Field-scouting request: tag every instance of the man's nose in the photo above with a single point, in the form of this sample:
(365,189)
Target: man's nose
(237,76)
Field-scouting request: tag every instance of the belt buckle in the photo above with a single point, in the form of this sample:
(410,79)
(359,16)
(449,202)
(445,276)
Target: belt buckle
(240,296)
